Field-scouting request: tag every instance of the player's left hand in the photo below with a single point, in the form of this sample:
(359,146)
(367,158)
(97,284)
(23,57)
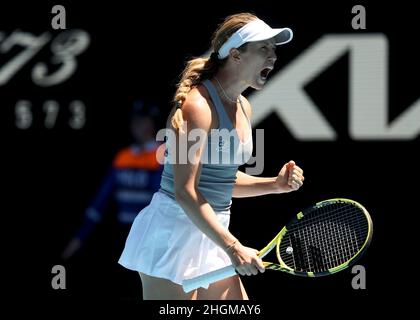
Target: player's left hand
(290,178)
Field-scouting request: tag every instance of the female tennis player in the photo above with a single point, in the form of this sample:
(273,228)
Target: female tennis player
(183,232)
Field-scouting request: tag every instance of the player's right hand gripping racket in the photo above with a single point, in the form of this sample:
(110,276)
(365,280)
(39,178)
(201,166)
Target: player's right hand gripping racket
(321,240)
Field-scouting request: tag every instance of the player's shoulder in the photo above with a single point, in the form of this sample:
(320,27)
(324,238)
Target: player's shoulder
(196,107)
(196,101)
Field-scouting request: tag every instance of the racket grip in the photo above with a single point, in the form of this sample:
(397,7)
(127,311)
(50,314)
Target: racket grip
(205,279)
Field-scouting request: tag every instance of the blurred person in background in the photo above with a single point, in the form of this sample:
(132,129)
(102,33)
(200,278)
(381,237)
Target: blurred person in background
(134,176)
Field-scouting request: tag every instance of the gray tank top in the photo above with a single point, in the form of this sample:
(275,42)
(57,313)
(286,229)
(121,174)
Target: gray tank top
(223,154)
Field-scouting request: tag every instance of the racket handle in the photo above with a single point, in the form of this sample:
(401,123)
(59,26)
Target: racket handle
(205,279)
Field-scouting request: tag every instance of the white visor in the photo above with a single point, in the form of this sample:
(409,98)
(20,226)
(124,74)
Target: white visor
(256,30)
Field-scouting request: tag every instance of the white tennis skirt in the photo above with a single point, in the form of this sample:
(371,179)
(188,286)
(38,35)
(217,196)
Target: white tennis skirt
(163,242)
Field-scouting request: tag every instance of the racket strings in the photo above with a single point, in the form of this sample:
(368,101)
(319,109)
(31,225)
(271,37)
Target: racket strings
(324,238)
(343,243)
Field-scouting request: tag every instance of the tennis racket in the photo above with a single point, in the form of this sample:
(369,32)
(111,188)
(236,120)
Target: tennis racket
(320,240)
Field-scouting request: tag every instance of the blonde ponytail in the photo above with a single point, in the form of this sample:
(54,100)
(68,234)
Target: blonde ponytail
(177,119)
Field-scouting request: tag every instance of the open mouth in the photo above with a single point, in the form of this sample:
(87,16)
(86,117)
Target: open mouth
(264,73)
